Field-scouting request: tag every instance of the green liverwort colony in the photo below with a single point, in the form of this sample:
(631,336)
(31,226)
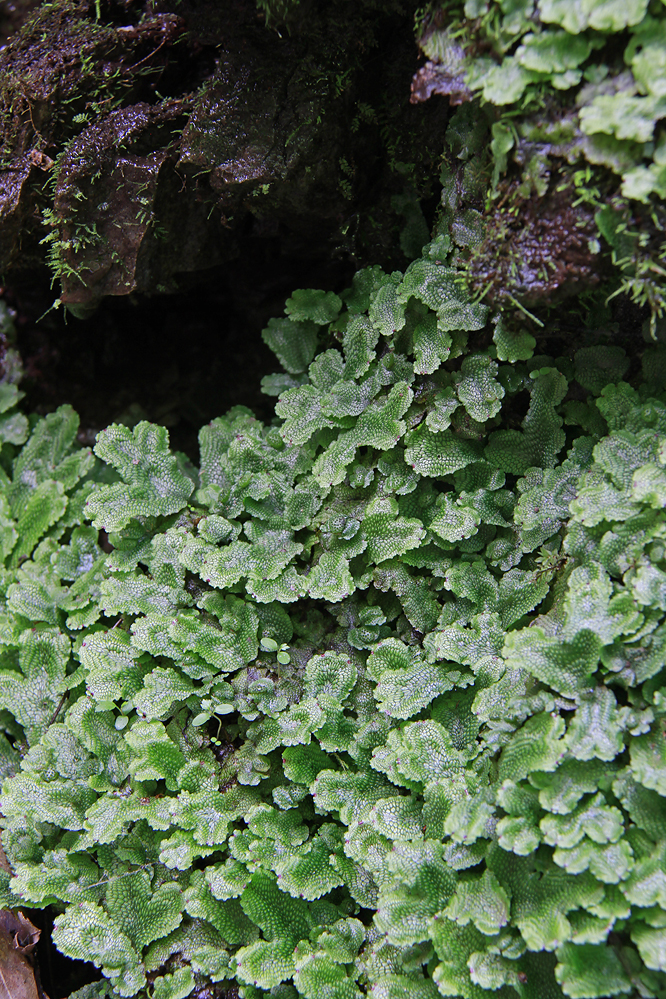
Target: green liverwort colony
(605,58)
(373,701)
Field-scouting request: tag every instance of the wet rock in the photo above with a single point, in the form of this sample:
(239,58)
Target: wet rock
(103,208)
(12,15)
(431,79)
(538,250)
(143,149)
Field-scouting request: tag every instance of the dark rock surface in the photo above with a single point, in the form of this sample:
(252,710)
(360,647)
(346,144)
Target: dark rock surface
(148,144)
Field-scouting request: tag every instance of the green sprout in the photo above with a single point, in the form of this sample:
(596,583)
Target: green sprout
(282,654)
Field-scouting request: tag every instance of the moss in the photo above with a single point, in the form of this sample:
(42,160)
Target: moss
(561,117)
(57,67)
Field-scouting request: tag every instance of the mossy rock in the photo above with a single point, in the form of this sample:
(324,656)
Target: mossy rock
(149,140)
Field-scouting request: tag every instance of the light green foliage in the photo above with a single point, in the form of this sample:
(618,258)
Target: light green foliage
(372,702)
(153,483)
(87,932)
(478,389)
(555,44)
(320,307)
(542,438)
(572,89)
(294,343)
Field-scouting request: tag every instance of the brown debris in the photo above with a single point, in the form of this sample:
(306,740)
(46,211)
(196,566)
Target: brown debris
(434,79)
(18,939)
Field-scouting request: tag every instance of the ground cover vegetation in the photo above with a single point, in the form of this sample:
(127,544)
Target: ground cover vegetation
(371,701)
(560,143)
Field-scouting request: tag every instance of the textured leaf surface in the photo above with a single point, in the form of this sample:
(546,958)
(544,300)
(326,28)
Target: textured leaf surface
(86,933)
(153,483)
(394,649)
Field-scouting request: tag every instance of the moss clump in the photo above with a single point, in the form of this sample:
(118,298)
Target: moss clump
(568,105)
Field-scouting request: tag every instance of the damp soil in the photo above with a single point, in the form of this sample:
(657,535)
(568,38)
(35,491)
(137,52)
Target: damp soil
(177,360)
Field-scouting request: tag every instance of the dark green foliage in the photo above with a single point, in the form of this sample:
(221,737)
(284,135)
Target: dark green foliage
(371,703)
